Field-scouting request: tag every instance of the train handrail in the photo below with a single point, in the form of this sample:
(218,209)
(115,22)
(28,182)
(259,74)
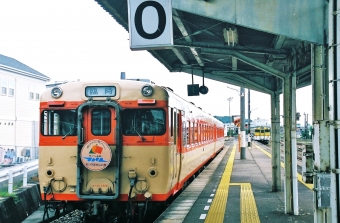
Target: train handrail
(18,169)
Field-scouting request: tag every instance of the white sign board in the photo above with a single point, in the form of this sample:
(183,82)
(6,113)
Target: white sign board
(150,24)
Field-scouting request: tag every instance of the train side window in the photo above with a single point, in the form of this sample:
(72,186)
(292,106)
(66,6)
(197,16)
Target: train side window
(208,132)
(184,133)
(172,121)
(59,122)
(191,133)
(143,122)
(195,133)
(175,126)
(101,122)
(189,140)
(203,133)
(199,132)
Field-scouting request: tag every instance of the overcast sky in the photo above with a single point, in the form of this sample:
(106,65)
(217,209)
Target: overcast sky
(77,39)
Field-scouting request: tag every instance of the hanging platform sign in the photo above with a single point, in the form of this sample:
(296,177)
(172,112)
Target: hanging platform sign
(150,24)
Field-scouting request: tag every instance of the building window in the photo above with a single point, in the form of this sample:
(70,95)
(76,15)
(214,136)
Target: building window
(37,96)
(11,92)
(11,87)
(3,86)
(31,92)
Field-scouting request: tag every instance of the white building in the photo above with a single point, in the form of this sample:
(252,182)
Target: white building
(20,91)
(228,128)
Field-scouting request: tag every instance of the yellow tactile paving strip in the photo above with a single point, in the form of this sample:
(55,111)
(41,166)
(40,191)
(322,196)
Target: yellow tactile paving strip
(218,206)
(248,205)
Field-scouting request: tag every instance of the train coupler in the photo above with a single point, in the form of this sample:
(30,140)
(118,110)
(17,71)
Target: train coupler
(57,208)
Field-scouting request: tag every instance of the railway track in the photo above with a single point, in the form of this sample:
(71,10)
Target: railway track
(300,147)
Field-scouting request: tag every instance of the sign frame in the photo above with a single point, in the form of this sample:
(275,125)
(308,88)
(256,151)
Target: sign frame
(139,12)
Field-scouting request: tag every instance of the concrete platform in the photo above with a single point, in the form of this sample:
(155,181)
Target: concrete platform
(246,193)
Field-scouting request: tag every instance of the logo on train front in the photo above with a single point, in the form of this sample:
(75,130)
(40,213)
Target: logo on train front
(96,155)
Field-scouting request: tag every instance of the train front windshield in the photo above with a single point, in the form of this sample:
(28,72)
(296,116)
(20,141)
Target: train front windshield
(135,122)
(59,122)
(143,122)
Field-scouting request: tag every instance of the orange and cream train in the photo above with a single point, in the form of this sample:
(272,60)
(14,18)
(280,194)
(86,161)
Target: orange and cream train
(121,142)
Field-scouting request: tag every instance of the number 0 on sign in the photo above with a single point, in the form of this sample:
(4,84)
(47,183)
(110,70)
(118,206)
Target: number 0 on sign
(150,24)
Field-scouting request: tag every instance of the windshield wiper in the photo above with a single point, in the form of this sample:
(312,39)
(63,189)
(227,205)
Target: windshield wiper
(135,130)
(70,132)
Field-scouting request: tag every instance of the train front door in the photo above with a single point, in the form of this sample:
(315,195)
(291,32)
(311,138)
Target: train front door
(175,150)
(178,143)
(100,123)
(98,152)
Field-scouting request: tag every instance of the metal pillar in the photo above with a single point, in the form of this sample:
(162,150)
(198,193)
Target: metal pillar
(10,181)
(324,210)
(249,138)
(326,114)
(334,113)
(242,133)
(24,181)
(289,104)
(229,127)
(293,145)
(275,139)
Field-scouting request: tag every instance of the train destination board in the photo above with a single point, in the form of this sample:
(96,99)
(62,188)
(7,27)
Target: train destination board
(100,91)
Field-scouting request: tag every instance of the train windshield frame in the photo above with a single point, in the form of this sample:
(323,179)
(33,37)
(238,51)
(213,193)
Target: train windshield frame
(145,122)
(59,123)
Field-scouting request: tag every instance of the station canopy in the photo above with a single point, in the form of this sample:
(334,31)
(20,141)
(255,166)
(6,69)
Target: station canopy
(251,44)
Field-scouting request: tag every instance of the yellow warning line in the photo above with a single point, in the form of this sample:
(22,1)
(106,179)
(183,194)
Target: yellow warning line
(248,205)
(310,186)
(218,206)
(249,211)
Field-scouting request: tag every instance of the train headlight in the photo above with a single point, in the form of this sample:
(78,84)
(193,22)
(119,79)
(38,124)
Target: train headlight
(147,90)
(56,92)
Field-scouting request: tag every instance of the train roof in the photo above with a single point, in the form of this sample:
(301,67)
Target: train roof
(75,91)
